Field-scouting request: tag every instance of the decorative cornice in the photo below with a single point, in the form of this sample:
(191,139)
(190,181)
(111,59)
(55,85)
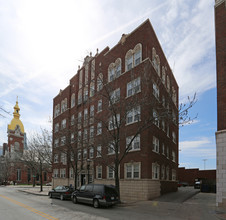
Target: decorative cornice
(218,2)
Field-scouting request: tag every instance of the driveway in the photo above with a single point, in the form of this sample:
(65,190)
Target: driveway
(183,194)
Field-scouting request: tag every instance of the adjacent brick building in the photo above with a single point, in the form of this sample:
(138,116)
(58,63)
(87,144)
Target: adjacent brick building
(220,31)
(114,94)
(13,168)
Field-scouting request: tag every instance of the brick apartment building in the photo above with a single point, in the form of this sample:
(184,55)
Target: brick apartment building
(120,106)
(220,32)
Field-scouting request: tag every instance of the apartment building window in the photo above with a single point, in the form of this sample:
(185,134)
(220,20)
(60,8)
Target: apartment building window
(56,142)
(173,156)
(174,136)
(62,173)
(156,61)
(72,100)
(110,172)
(174,96)
(163,75)
(167,130)
(174,116)
(79,136)
(155,171)
(72,156)
(72,138)
(163,125)
(115,96)
(79,155)
(163,172)
(114,70)
(63,123)
(114,122)
(155,144)
(80,78)
(167,83)
(99,105)
(156,91)
(85,94)
(63,158)
(72,120)
(133,87)
(155,118)
(91,132)
(99,172)
(91,119)
(92,89)
(85,134)
(56,129)
(133,115)
(64,105)
(79,120)
(91,152)
(167,172)
(71,173)
(99,153)
(84,153)
(57,110)
(111,148)
(167,152)
(135,145)
(163,148)
(129,60)
(55,173)
(63,140)
(100,82)
(137,57)
(85,117)
(163,101)
(18,174)
(99,128)
(174,175)
(79,96)
(132,171)
(55,158)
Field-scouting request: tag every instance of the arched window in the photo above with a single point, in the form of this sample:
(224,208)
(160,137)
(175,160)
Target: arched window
(62,106)
(118,67)
(99,82)
(111,72)
(137,54)
(72,100)
(129,60)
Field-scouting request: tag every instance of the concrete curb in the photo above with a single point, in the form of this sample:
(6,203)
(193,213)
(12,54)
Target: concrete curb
(33,193)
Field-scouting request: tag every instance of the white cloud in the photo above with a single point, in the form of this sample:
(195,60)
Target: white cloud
(203,147)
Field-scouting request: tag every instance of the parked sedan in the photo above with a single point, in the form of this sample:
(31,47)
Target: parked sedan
(62,192)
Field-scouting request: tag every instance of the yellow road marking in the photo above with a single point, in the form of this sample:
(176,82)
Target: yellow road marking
(44,215)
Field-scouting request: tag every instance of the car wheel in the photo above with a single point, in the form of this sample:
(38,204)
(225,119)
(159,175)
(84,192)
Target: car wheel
(61,197)
(96,203)
(50,195)
(74,199)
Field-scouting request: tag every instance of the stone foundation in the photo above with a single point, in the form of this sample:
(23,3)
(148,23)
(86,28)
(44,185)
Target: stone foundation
(135,190)
(221,168)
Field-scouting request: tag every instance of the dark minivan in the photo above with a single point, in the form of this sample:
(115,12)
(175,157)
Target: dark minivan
(96,194)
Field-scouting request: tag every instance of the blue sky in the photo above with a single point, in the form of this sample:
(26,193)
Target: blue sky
(42,43)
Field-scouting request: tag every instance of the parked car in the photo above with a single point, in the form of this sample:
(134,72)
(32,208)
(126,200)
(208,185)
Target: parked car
(96,195)
(49,184)
(62,192)
(197,185)
(184,184)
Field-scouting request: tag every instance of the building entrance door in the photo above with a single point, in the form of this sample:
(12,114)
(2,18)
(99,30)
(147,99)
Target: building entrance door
(83,179)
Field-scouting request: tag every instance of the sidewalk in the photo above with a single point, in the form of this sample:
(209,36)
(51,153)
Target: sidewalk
(32,190)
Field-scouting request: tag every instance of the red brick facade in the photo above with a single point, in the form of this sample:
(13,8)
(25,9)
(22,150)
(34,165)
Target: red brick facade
(220,30)
(165,134)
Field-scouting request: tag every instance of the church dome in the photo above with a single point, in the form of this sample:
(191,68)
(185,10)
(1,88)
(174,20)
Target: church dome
(15,122)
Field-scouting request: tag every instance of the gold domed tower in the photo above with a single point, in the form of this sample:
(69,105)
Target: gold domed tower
(16,134)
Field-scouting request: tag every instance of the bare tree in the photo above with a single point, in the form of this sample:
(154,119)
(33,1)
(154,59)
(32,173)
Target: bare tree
(38,156)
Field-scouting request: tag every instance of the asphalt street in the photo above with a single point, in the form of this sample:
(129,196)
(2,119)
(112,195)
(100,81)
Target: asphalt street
(15,204)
